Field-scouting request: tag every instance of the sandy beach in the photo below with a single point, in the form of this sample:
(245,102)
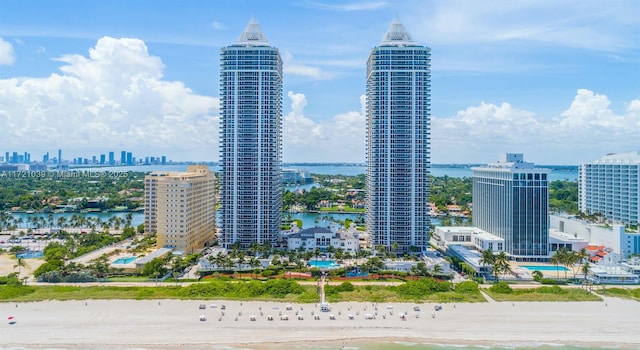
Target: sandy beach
(173,324)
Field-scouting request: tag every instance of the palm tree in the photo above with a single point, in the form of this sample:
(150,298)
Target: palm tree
(128,219)
(254,263)
(50,221)
(219,260)
(556,259)
(569,258)
(585,269)
(62,222)
(487,258)
(437,269)
(581,257)
(19,222)
(19,264)
(254,248)
(42,222)
(563,257)
(394,248)
(501,265)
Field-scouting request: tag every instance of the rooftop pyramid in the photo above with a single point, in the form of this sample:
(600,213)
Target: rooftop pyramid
(396,34)
(253,34)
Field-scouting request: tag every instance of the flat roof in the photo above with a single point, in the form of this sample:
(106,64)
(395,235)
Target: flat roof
(470,230)
(155,254)
(566,237)
(469,256)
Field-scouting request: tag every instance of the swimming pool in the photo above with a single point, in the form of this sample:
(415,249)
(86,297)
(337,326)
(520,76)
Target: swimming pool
(324,264)
(30,255)
(544,268)
(125,260)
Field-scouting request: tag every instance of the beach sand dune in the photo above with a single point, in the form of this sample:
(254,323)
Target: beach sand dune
(173,324)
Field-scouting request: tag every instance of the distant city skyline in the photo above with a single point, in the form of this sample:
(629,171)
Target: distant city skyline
(557,81)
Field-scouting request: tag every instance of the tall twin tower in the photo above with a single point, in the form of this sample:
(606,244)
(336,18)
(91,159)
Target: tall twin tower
(398,137)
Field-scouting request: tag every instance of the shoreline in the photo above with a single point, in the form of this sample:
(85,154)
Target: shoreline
(174,324)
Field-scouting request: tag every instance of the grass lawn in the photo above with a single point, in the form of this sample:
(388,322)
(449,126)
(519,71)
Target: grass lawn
(194,292)
(633,294)
(386,294)
(345,209)
(130,279)
(554,293)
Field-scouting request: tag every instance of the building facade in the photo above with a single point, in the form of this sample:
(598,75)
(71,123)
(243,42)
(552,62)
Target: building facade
(322,238)
(611,186)
(180,208)
(251,139)
(511,201)
(398,138)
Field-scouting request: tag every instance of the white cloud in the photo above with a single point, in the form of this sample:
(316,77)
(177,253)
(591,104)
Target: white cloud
(339,139)
(7,55)
(217,25)
(113,99)
(585,131)
(294,68)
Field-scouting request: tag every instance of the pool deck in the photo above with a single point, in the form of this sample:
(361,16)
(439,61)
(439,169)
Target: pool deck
(519,267)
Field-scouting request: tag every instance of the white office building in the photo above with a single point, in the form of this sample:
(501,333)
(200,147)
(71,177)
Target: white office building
(251,139)
(611,186)
(511,201)
(398,136)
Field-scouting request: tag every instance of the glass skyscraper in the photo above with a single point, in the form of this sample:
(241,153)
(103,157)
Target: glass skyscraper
(251,107)
(398,142)
(511,201)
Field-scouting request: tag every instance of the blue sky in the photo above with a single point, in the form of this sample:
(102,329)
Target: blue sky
(558,81)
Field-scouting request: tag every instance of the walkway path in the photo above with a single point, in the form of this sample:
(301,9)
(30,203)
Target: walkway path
(321,285)
(486,296)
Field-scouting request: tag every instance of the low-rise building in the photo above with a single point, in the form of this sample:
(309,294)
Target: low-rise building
(322,238)
(632,265)
(613,236)
(471,237)
(611,275)
(570,242)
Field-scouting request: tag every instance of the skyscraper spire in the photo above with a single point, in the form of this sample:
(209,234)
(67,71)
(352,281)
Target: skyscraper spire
(396,34)
(253,34)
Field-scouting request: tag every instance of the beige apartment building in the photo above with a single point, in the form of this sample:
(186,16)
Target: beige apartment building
(180,208)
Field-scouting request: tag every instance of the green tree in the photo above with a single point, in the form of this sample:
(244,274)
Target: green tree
(154,268)
(556,259)
(501,265)
(585,269)
(487,258)
(20,263)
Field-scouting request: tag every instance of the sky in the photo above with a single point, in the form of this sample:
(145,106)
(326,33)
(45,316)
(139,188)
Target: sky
(556,80)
